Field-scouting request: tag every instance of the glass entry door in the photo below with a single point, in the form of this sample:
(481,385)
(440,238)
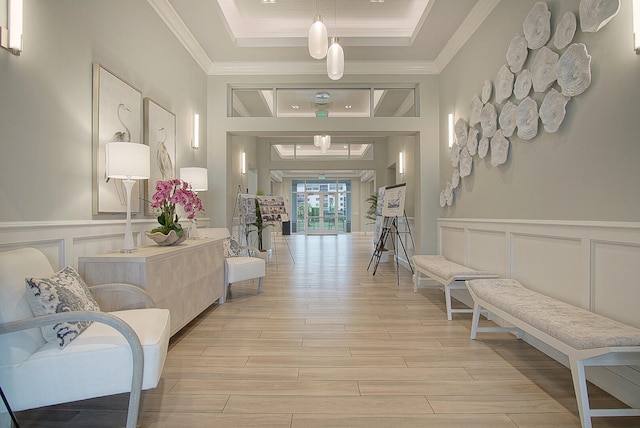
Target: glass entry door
(321,213)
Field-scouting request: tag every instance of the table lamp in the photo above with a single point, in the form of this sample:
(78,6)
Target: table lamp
(198,179)
(128,162)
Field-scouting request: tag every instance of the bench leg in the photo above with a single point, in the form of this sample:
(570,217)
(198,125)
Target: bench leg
(447,299)
(260,285)
(416,281)
(475,320)
(580,387)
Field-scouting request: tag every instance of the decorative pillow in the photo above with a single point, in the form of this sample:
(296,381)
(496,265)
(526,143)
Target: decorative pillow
(63,291)
(231,247)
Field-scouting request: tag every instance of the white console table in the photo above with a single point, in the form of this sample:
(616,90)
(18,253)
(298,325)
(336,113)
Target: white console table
(185,278)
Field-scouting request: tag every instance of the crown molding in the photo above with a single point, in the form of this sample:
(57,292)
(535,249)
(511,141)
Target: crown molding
(170,17)
(247,68)
(472,22)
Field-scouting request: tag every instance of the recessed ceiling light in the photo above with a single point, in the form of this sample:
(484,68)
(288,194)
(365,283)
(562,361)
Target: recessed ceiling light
(268,1)
(295,107)
(376,1)
(347,107)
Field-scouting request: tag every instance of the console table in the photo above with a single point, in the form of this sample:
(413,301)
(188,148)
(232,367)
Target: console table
(185,278)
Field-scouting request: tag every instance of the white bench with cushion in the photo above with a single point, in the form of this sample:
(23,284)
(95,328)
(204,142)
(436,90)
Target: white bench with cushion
(586,338)
(449,275)
(76,351)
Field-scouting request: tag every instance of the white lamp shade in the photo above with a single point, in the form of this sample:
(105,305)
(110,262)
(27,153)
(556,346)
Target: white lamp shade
(128,161)
(318,41)
(335,60)
(197,177)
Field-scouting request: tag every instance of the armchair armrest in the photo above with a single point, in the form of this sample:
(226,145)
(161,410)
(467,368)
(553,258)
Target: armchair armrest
(121,296)
(104,318)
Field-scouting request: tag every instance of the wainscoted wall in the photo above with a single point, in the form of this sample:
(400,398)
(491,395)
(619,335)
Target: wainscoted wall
(64,241)
(594,265)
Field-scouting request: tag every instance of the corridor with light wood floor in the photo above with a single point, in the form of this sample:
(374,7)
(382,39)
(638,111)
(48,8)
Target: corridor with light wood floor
(327,344)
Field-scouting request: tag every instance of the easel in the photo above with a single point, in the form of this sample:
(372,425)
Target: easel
(389,227)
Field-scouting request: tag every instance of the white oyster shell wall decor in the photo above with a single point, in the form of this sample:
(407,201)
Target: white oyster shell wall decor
(483,147)
(443,199)
(574,70)
(526,119)
(543,69)
(553,110)
(522,87)
(474,111)
(455,154)
(461,130)
(504,84)
(565,30)
(486,91)
(595,14)
(537,26)
(472,141)
(517,53)
(466,163)
(455,178)
(448,193)
(499,149)
(489,120)
(507,119)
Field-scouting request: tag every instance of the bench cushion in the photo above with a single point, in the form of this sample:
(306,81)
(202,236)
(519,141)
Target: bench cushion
(447,270)
(574,326)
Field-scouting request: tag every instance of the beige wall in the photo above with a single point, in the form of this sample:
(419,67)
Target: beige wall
(46,99)
(588,169)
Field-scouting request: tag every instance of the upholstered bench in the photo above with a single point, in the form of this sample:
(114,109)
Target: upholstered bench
(586,338)
(449,275)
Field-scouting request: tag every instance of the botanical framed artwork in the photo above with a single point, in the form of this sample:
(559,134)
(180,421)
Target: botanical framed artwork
(160,136)
(117,116)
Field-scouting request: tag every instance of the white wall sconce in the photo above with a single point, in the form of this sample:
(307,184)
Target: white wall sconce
(401,163)
(11,37)
(636,26)
(195,143)
(451,132)
(243,166)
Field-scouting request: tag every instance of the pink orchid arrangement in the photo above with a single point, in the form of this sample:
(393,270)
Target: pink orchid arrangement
(168,194)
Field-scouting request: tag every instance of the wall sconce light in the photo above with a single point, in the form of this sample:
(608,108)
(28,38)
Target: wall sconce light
(11,37)
(196,131)
(451,131)
(636,26)
(243,166)
(401,163)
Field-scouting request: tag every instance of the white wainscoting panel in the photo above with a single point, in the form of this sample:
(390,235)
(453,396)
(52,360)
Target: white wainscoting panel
(489,250)
(615,276)
(456,248)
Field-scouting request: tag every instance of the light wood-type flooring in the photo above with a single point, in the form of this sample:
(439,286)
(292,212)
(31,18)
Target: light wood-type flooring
(327,344)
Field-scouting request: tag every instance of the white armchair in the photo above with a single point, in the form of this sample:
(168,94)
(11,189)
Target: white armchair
(120,351)
(240,262)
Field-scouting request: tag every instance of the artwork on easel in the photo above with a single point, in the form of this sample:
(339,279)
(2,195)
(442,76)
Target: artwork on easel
(247,209)
(379,205)
(273,209)
(393,200)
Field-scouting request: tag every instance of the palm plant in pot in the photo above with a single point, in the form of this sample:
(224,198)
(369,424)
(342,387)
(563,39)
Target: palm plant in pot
(258,226)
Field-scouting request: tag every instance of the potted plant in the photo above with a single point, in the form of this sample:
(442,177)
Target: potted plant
(258,225)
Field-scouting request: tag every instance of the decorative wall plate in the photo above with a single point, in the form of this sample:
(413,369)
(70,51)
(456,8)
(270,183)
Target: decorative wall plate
(455,154)
(455,178)
(448,193)
(474,111)
(466,162)
(522,87)
(507,119)
(565,30)
(499,149)
(537,26)
(574,70)
(543,69)
(486,91)
(595,14)
(526,119)
(483,147)
(553,110)
(489,120)
(461,130)
(504,84)
(443,199)
(517,53)
(472,141)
